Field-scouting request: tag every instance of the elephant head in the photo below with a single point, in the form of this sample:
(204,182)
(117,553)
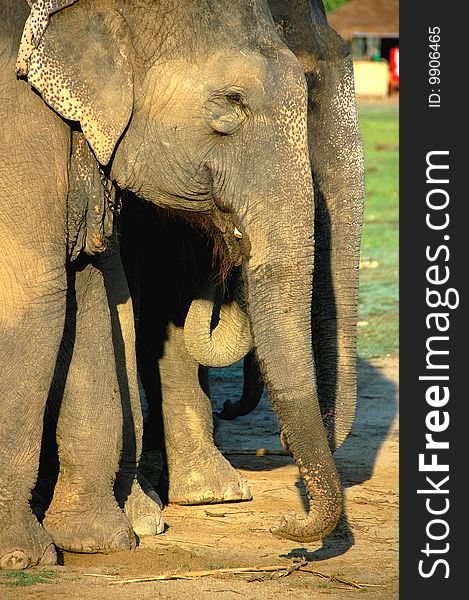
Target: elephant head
(201,106)
(337,166)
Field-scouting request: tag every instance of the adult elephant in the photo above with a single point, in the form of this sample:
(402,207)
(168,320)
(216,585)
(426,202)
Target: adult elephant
(338,176)
(180,104)
(336,159)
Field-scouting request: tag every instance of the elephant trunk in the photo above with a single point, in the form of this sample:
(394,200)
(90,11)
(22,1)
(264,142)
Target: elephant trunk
(227,343)
(278,274)
(339,178)
(336,157)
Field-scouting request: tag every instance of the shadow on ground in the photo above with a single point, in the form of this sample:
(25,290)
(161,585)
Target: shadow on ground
(355,460)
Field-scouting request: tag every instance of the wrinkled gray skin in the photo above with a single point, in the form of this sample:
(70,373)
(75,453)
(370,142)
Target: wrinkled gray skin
(175,384)
(335,355)
(155,96)
(89,223)
(337,168)
(336,157)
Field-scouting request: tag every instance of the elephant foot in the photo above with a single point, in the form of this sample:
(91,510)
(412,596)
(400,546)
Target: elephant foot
(84,523)
(206,481)
(24,543)
(143,509)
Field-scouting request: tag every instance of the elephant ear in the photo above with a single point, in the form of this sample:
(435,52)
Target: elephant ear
(82,70)
(34,29)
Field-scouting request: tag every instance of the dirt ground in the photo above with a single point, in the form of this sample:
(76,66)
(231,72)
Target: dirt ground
(363,550)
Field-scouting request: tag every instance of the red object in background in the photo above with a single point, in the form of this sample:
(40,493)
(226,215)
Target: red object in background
(394,66)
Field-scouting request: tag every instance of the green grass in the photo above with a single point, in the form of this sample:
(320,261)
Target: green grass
(26,578)
(331,5)
(378,310)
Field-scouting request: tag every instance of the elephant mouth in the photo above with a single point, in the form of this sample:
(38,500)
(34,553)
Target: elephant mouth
(233,240)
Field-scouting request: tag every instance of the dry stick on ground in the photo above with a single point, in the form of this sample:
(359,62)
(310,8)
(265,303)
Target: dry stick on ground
(207,573)
(282,570)
(254,452)
(178,541)
(227,514)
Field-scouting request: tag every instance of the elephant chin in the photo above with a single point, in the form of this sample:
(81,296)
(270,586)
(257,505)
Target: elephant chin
(227,343)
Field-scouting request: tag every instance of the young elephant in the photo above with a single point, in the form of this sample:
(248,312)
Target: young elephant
(175,382)
(200,107)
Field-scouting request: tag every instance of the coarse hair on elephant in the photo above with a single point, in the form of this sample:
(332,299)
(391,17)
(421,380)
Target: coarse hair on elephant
(197,106)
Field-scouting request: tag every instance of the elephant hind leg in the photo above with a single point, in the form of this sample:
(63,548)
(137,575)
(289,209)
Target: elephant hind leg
(135,496)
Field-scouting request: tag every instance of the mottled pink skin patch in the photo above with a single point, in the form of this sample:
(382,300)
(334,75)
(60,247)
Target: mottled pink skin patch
(102,106)
(34,29)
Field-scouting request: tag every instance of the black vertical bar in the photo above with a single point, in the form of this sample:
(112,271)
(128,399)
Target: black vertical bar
(434,259)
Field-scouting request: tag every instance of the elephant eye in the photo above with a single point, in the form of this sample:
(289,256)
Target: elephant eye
(235,98)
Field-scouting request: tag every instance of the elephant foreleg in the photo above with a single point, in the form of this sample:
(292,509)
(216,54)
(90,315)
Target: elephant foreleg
(84,515)
(198,473)
(31,320)
(32,312)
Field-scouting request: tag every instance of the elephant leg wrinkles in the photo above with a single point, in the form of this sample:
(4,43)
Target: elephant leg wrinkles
(84,515)
(23,541)
(32,313)
(198,473)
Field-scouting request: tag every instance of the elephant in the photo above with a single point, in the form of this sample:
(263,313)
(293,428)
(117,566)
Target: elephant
(176,385)
(199,107)
(172,358)
(337,221)
(338,214)
(90,229)
(337,164)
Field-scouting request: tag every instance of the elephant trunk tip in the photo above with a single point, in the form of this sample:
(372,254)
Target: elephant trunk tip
(316,525)
(304,529)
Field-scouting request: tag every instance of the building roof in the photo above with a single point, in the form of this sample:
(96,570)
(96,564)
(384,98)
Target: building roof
(364,18)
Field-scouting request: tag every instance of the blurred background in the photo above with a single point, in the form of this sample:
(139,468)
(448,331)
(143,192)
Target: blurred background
(372,28)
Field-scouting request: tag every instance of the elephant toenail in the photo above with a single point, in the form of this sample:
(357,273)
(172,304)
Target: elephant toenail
(149,525)
(50,556)
(123,541)
(16,560)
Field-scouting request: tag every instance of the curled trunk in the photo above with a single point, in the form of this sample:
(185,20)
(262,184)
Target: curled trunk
(226,343)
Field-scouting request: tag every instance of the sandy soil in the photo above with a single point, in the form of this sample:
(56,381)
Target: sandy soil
(363,549)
